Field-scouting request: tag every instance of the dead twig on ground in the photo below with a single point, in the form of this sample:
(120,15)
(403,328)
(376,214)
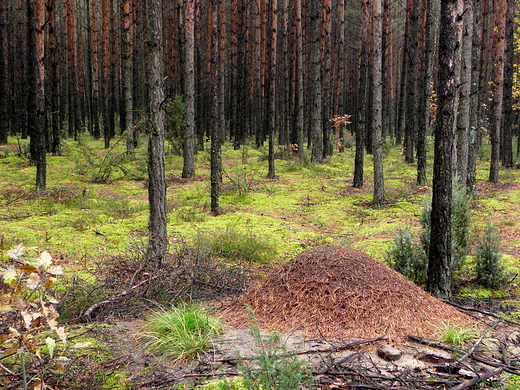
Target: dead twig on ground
(88,313)
(509,369)
(478,379)
(487,313)
(308,352)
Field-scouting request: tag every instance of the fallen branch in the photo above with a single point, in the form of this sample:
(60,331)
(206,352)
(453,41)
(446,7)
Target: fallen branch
(509,369)
(470,352)
(311,351)
(487,313)
(88,313)
(478,379)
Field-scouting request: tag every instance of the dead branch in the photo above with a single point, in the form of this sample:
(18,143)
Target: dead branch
(487,313)
(470,352)
(308,352)
(88,313)
(478,379)
(509,369)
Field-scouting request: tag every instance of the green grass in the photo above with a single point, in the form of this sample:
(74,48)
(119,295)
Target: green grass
(182,332)
(455,334)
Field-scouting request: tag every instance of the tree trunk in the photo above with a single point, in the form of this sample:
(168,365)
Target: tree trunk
(439,274)
(463,117)
(423,118)
(158,239)
(412,54)
(362,95)
(499,29)
(326,59)
(215,159)
(36,101)
(271,110)
(377,106)
(475,87)
(299,81)
(4,101)
(316,130)
(127,126)
(506,150)
(188,169)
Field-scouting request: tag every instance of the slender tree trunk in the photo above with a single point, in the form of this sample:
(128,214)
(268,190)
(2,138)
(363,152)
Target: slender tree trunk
(96,101)
(474,106)
(412,77)
(158,238)
(463,117)
(188,169)
(362,95)
(499,28)
(316,130)
(215,159)
(508,113)
(4,101)
(423,119)
(326,59)
(439,274)
(271,110)
(127,126)
(36,102)
(377,116)
(72,69)
(299,81)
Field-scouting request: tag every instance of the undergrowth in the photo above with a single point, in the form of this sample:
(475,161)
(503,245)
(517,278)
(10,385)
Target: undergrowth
(180,333)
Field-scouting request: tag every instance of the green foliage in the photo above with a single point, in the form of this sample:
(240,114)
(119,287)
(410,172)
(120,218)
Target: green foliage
(175,111)
(234,244)
(460,226)
(411,259)
(407,257)
(98,167)
(181,333)
(28,311)
(489,268)
(273,368)
(455,334)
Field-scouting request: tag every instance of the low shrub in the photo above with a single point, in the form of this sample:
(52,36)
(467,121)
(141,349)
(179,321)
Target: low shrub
(489,268)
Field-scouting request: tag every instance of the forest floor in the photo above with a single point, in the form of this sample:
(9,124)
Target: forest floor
(95,229)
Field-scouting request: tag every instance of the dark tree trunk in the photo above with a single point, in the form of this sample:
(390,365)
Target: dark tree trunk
(127,125)
(271,109)
(326,46)
(362,95)
(299,81)
(439,273)
(158,238)
(423,118)
(316,129)
(4,101)
(508,113)
(215,159)
(188,169)
(411,81)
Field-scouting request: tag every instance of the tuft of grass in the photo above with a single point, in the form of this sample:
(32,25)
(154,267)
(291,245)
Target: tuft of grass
(236,245)
(182,332)
(455,334)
